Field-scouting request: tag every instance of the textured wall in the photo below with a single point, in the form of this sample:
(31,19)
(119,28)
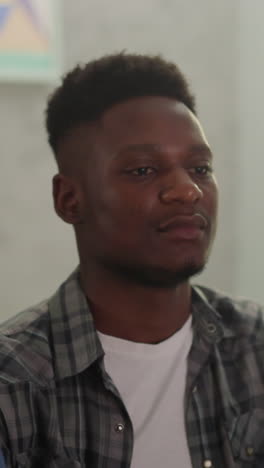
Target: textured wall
(37,250)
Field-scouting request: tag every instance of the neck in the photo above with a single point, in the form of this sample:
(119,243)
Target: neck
(133,312)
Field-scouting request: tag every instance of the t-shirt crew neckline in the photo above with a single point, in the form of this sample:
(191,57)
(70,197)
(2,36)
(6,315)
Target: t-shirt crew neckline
(172,344)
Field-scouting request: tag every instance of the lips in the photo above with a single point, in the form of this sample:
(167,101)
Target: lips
(189,227)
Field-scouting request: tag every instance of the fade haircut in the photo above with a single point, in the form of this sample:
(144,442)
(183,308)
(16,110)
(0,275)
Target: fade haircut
(88,91)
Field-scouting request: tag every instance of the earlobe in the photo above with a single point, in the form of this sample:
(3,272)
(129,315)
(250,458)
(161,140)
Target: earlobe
(66,198)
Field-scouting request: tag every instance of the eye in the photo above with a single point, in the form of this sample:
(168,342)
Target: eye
(202,170)
(142,171)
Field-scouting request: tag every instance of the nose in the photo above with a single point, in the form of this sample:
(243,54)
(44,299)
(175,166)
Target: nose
(181,189)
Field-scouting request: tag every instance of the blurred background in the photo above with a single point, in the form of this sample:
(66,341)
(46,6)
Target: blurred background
(219,45)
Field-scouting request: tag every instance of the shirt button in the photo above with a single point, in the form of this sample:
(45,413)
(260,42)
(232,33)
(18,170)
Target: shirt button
(250,451)
(211,328)
(119,427)
(207,464)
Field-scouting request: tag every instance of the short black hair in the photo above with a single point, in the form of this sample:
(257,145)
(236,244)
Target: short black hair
(89,90)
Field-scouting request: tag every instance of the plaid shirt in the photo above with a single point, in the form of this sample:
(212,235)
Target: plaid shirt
(59,408)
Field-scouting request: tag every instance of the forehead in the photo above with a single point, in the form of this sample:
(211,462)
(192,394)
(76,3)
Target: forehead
(155,120)
(159,121)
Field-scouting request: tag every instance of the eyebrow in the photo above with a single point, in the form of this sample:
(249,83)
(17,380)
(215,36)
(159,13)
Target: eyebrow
(157,148)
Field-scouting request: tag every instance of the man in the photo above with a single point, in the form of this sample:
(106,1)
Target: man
(127,365)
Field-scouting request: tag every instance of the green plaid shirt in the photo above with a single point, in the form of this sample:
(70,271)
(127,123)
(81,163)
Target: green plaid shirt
(59,408)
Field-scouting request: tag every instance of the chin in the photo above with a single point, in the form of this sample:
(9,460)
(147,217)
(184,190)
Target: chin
(158,276)
(169,278)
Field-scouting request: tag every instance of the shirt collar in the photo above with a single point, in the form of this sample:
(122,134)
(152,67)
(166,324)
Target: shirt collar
(208,322)
(75,341)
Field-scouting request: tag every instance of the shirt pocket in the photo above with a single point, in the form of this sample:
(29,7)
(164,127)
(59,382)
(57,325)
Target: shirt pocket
(246,437)
(39,458)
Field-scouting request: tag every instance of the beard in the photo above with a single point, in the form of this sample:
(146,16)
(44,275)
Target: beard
(154,276)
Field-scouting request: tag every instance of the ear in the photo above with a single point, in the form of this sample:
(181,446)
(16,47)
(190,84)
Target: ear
(67,199)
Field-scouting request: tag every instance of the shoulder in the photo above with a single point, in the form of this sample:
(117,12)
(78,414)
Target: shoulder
(240,317)
(25,347)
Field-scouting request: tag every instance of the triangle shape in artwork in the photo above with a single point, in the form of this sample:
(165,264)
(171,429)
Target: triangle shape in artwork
(31,11)
(20,34)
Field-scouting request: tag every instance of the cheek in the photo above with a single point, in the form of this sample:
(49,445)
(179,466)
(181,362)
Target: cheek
(211,206)
(215,196)
(128,202)
(211,198)
(124,216)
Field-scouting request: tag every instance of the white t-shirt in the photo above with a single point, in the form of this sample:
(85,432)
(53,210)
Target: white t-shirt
(151,380)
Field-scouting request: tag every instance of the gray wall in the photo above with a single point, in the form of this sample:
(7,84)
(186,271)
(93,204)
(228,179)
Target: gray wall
(250,168)
(37,250)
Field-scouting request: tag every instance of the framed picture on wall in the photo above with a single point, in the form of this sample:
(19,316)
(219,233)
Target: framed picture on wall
(30,40)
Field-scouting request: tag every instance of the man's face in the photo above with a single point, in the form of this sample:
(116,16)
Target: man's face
(148,194)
